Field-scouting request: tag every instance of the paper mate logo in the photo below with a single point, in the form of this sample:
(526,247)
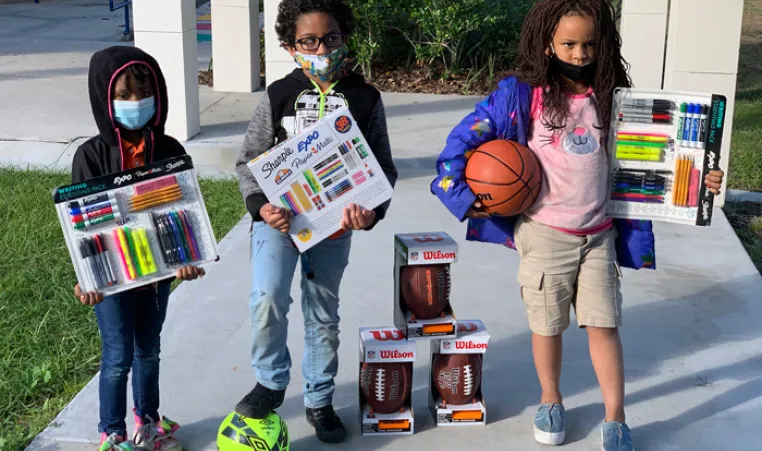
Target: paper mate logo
(343,124)
(282,175)
(304,145)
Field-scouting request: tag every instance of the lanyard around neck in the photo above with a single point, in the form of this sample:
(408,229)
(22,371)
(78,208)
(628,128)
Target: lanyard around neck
(321,111)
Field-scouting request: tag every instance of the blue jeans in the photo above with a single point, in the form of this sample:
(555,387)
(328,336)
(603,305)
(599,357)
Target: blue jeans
(274,259)
(130,325)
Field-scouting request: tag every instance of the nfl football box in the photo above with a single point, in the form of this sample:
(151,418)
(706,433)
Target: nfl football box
(386,382)
(473,340)
(428,248)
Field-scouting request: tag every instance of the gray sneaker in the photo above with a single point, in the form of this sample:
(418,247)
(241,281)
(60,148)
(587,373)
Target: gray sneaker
(549,427)
(616,437)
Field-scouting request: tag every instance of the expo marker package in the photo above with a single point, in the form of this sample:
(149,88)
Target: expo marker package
(663,143)
(136,227)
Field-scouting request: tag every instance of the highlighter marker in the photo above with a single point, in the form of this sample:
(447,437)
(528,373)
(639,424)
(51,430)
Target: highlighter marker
(122,257)
(147,250)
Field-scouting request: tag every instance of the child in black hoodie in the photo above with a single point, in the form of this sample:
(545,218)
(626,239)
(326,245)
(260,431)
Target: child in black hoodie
(128,96)
(315,33)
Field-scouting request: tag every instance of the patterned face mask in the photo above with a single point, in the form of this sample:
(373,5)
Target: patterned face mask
(322,67)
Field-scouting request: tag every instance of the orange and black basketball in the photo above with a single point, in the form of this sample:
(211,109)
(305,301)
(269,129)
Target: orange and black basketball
(505,176)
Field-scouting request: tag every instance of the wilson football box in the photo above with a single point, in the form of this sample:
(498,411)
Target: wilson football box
(386,382)
(422,284)
(456,373)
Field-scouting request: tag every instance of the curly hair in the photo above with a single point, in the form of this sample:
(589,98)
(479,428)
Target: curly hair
(533,63)
(290,10)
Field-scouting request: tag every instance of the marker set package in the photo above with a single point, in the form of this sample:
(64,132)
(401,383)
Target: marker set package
(135,227)
(663,145)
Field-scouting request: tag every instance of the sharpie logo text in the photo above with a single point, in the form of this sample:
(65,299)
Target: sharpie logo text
(171,166)
(269,167)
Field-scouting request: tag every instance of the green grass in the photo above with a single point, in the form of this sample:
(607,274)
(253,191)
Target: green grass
(746,219)
(745,171)
(49,344)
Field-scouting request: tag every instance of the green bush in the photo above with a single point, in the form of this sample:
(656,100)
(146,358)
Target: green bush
(443,37)
(440,36)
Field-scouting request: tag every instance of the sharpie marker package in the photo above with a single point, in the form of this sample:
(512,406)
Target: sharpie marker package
(136,227)
(663,143)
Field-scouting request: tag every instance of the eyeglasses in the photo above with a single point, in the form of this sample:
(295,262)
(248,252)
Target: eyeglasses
(312,43)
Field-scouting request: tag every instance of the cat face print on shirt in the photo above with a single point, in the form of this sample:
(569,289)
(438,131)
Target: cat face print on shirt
(580,136)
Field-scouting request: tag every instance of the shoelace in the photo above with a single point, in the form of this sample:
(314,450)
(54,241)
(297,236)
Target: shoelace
(147,433)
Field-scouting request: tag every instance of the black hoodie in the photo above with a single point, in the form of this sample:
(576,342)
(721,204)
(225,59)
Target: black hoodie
(102,154)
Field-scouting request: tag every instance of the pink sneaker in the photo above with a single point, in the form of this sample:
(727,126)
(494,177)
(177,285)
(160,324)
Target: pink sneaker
(114,442)
(152,436)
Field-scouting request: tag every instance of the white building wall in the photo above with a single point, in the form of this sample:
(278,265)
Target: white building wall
(166,29)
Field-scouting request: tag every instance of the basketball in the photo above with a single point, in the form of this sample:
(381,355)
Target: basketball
(505,176)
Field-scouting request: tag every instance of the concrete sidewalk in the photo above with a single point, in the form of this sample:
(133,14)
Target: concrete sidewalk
(692,329)
(692,335)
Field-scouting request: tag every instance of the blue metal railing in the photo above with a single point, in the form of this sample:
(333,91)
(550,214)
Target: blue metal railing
(126,5)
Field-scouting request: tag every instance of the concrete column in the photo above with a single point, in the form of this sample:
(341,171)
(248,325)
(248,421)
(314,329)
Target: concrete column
(166,29)
(278,63)
(235,45)
(643,29)
(702,56)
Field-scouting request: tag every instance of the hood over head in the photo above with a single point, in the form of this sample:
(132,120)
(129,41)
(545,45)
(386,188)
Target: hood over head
(105,67)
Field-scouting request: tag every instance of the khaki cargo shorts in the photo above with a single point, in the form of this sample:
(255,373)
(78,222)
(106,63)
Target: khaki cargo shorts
(558,271)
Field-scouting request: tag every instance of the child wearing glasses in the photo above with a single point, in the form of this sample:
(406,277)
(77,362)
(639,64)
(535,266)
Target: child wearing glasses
(315,33)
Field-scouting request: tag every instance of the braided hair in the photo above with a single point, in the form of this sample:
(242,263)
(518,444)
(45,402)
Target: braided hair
(534,64)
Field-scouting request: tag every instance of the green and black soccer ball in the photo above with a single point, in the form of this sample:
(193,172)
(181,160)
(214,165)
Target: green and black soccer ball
(240,433)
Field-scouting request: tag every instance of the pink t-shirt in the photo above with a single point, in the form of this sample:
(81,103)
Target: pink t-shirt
(574,168)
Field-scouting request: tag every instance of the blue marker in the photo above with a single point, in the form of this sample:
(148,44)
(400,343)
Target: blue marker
(695,125)
(687,127)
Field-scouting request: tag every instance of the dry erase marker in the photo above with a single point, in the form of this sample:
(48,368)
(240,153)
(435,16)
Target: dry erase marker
(704,116)
(695,125)
(687,126)
(115,216)
(681,121)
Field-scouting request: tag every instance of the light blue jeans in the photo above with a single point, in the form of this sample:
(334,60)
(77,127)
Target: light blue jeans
(274,259)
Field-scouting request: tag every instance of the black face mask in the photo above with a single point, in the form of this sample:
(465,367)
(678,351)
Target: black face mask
(573,72)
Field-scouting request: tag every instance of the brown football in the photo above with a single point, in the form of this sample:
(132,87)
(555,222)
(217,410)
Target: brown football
(425,289)
(385,386)
(457,377)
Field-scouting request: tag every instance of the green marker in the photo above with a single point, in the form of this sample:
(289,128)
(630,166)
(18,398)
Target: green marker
(640,144)
(98,220)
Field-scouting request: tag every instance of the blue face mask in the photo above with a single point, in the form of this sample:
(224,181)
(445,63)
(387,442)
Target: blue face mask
(134,115)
